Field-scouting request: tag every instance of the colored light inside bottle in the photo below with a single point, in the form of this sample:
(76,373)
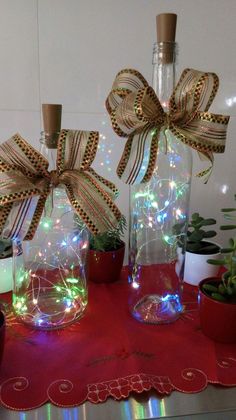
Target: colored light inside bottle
(72,280)
(47,223)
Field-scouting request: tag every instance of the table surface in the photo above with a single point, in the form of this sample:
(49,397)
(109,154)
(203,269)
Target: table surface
(216,403)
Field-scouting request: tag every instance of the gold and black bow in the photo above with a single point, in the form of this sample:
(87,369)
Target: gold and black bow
(136,113)
(25,183)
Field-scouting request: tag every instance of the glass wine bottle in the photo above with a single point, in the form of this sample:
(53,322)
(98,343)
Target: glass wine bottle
(155,260)
(49,271)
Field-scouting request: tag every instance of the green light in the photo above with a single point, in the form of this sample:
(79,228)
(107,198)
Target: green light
(46,223)
(145,194)
(72,280)
(58,288)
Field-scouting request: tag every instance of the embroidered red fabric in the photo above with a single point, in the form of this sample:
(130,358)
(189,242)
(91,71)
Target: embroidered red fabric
(109,354)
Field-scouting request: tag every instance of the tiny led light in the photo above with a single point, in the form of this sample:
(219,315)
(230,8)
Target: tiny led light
(72,280)
(166,238)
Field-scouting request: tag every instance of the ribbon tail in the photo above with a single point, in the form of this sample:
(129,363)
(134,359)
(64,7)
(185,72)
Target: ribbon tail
(4,213)
(18,219)
(206,173)
(36,217)
(108,186)
(92,203)
(205,133)
(139,157)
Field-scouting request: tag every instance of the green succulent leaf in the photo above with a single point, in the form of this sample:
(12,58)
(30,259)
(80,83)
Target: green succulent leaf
(216,262)
(207,222)
(210,287)
(209,234)
(195,216)
(231,242)
(196,236)
(218,296)
(229,209)
(227,227)
(222,289)
(226,250)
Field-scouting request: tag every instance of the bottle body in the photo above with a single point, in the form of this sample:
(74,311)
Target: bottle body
(155,260)
(50,288)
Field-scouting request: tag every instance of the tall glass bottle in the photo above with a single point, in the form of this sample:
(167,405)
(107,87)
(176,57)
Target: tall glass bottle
(155,260)
(49,271)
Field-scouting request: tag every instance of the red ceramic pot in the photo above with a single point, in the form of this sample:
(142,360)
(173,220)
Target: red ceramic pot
(105,266)
(2,334)
(218,319)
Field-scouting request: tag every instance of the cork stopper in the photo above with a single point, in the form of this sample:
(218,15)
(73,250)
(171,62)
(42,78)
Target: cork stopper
(166,27)
(51,123)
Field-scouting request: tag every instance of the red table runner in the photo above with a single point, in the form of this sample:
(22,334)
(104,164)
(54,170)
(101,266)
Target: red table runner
(109,354)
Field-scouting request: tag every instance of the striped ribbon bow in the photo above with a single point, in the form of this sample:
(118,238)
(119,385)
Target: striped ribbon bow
(25,183)
(136,113)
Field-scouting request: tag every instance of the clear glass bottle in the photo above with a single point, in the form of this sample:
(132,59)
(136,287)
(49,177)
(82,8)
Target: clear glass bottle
(155,260)
(50,288)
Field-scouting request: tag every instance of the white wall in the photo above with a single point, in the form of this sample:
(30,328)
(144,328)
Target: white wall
(69,51)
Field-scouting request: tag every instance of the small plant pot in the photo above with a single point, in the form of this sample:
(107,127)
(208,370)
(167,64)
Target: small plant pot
(6,282)
(197,268)
(105,266)
(218,319)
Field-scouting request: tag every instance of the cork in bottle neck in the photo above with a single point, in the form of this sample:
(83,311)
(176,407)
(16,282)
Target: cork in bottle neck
(51,123)
(166,29)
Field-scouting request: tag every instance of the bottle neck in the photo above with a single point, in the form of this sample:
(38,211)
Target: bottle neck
(50,153)
(164,62)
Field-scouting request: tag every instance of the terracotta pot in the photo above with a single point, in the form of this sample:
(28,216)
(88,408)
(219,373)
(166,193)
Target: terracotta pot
(105,266)
(2,334)
(218,319)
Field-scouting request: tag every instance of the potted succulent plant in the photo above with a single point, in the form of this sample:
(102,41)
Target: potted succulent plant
(106,254)
(217,296)
(198,249)
(6,283)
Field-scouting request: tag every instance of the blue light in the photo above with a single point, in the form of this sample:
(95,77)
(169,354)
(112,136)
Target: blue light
(63,243)
(167,297)
(68,303)
(75,239)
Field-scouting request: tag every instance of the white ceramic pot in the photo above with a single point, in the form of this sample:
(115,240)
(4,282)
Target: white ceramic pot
(197,268)
(6,280)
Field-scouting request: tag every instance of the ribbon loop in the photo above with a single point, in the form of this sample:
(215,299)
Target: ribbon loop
(25,184)
(136,113)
